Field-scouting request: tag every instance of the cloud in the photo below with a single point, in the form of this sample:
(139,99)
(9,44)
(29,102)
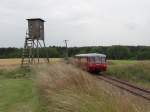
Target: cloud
(83,22)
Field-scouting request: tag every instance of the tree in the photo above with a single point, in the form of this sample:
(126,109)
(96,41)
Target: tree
(143,55)
(118,52)
(53,53)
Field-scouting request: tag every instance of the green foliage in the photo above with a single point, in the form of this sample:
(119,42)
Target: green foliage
(10,52)
(53,52)
(112,52)
(134,71)
(118,52)
(17,92)
(16,73)
(144,55)
(18,95)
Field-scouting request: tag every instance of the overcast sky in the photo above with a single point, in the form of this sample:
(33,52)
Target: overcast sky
(82,22)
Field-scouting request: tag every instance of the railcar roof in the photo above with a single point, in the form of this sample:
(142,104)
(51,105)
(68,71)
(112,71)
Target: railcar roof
(90,55)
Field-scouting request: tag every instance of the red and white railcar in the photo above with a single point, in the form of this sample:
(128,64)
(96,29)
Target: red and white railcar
(92,62)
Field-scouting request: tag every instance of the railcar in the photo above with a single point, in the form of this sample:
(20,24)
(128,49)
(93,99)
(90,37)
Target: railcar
(91,62)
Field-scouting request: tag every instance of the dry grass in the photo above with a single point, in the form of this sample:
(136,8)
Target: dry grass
(64,88)
(9,63)
(14,63)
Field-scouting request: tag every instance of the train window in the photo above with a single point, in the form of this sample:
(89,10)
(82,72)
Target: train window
(103,60)
(92,60)
(97,60)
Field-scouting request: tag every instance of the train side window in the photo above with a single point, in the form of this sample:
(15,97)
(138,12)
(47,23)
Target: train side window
(103,60)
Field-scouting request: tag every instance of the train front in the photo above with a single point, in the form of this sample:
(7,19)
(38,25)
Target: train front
(97,63)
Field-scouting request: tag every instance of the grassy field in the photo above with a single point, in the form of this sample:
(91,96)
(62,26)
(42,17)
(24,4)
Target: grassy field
(137,72)
(17,92)
(60,87)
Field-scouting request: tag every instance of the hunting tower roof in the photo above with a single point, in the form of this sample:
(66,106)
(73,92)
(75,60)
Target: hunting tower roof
(33,19)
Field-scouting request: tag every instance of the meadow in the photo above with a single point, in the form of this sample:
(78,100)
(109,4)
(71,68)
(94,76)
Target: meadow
(17,91)
(137,72)
(61,87)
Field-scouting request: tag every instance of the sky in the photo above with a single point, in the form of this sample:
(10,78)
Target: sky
(82,22)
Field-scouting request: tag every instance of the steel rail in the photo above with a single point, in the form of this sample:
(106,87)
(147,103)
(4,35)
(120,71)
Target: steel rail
(138,91)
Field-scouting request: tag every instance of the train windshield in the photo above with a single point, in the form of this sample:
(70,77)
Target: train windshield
(98,60)
(92,60)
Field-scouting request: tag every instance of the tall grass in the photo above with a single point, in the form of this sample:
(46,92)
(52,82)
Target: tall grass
(134,71)
(64,88)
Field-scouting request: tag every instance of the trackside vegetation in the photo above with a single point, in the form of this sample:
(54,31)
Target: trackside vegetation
(65,88)
(137,72)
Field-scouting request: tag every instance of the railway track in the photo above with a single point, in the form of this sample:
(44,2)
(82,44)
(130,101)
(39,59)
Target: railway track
(138,91)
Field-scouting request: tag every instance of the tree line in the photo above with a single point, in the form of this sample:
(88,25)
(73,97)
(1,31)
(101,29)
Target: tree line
(112,52)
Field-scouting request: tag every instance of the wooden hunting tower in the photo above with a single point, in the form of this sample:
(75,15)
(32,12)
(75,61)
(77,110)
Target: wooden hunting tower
(36,28)
(32,45)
